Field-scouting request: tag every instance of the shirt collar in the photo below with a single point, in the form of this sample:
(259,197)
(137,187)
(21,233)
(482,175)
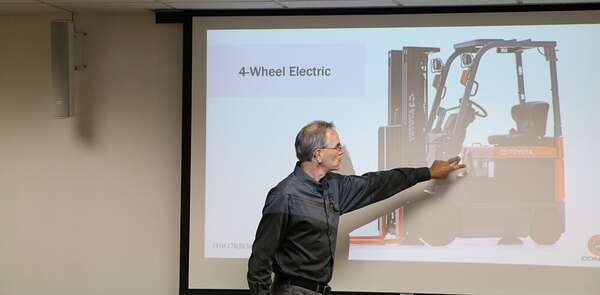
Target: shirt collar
(305,178)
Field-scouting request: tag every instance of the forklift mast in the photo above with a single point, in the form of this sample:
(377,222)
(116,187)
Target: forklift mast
(407,109)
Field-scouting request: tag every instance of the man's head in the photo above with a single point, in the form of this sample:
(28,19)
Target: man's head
(319,143)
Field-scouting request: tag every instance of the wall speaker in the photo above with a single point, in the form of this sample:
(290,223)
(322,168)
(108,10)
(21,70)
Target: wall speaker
(63,66)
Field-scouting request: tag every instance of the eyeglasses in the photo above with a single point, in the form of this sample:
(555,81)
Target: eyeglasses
(339,147)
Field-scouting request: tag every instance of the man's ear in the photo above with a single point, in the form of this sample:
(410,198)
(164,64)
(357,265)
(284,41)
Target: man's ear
(317,156)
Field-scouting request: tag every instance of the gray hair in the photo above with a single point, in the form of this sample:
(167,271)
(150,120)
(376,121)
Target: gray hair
(310,138)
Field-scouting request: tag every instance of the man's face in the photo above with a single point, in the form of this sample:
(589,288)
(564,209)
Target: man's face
(330,157)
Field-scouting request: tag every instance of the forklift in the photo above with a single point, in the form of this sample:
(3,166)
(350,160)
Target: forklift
(513,188)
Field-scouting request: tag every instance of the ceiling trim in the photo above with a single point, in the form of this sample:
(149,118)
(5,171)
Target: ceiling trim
(179,16)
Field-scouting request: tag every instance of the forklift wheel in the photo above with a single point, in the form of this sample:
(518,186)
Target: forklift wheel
(546,226)
(441,230)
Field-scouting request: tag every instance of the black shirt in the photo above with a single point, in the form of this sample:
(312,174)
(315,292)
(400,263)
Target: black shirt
(297,233)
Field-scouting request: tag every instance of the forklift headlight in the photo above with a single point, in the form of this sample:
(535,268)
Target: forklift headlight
(466,59)
(436,65)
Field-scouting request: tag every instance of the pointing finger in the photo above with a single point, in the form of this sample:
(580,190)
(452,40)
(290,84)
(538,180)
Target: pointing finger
(454,160)
(454,167)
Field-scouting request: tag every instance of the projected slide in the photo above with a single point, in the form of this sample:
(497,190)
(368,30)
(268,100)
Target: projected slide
(518,103)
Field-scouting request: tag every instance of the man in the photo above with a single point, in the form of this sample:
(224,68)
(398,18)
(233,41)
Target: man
(297,234)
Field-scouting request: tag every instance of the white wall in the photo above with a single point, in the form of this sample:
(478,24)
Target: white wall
(90,204)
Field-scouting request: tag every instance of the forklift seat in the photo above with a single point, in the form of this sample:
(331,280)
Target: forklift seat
(531,118)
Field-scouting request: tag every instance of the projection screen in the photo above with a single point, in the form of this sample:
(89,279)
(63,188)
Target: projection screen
(515,94)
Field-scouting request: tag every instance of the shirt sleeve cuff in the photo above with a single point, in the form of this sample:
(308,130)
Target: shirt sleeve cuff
(423,174)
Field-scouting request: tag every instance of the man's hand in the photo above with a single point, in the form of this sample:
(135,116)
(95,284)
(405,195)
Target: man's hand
(441,169)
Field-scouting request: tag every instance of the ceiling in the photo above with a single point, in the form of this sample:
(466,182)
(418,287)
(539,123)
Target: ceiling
(19,7)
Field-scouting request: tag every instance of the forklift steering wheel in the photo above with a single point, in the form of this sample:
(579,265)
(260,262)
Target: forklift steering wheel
(479,110)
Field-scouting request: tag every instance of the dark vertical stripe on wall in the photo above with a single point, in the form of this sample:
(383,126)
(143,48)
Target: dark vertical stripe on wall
(186,136)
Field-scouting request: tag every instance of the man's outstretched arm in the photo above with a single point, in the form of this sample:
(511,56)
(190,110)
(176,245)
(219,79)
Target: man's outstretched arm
(360,191)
